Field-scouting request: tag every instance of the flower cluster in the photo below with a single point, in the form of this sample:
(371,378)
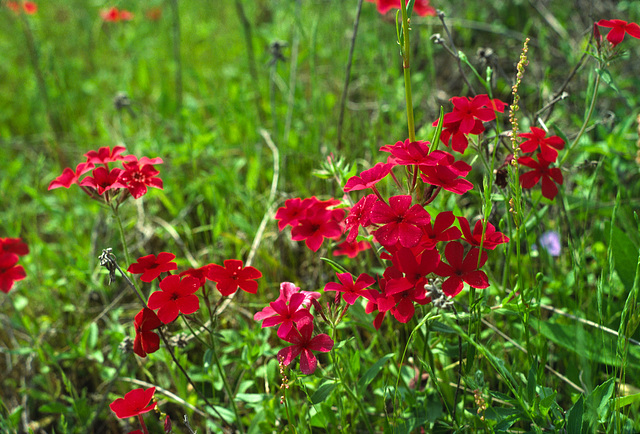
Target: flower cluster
(29,8)
(113,15)
(10,272)
(547,153)
(177,292)
(107,183)
(291,312)
(420,7)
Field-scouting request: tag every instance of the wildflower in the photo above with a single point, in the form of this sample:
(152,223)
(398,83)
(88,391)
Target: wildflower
(413,153)
(293,211)
(137,176)
(490,239)
(105,155)
(303,345)
(462,269)
(420,7)
(176,296)
(30,8)
(134,403)
(550,241)
(287,289)
(13,245)
(359,215)
(103,180)
(70,177)
(199,273)
(368,178)
(317,225)
(548,146)
(447,176)
(146,341)
(467,111)
(351,249)
(126,15)
(9,271)
(232,276)
(441,230)
(286,314)
(351,290)
(151,266)
(618,30)
(541,169)
(401,223)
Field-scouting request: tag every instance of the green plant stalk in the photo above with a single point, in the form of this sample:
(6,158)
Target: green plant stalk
(125,248)
(347,389)
(177,59)
(406,63)
(227,388)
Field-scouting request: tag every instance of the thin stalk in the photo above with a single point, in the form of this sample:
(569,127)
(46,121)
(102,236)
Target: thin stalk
(144,427)
(227,388)
(406,63)
(345,88)
(177,59)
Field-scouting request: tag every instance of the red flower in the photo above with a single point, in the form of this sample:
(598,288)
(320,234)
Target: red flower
(414,153)
(137,176)
(549,146)
(103,180)
(368,178)
(286,314)
(492,238)
(176,296)
(352,290)
(359,215)
(466,111)
(317,225)
(126,15)
(447,176)
(293,211)
(541,170)
(618,29)
(70,177)
(442,230)
(13,245)
(14,6)
(105,155)
(401,223)
(351,249)
(150,267)
(420,7)
(146,341)
(232,276)
(9,271)
(303,345)
(134,403)
(199,273)
(462,269)
(287,289)
(111,15)
(30,8)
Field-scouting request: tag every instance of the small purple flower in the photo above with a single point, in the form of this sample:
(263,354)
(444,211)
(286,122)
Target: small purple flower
(550,241)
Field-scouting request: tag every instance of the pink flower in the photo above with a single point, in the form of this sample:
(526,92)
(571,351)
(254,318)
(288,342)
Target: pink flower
(420,7)
(293,211)
(137,176)
(146,341)
(462,269)
(359,215)
(70,177)
(618,30)
(105,155)
(150,267)
(542,171)
(303,345)
(549,146)
(232,276)
(351,290)
(286,314)
(176,296)
(287,289)
(134,403)
(401,221)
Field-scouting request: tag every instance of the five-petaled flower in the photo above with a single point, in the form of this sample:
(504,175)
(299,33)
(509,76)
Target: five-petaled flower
(9,271)
(286,313)
(542,171)
(420,7)
(462,269)
(134,403)
(232,276)
(151,266)
(489,238)
(350,290)
(401,221)
(618,29)
(137,175)
(536,139)
(303,345)
(176,296)
(146,341)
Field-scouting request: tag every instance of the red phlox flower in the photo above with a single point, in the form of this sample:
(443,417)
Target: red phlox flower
(103,180)
(111,15)
(618,29)
(200,273)
(541,170)
(447,175)
(9,271)
(176,296)
(549,146)
(30,8)
(401,221)
(137,177)
(492,238)
(359,215)
(303,345)
(420,7)
(13,245)
(368,178)
(287,289)
(134,403)
(404,308)
(150,267)
(441,229)
(146,341)
(415,268)
(105,155)
(286,314)
(462,269)
(351,249)
(125,15)
(351,290)
(467,111)
(293,211)
(70,177)
(233,276)
(317,225)
(414,153)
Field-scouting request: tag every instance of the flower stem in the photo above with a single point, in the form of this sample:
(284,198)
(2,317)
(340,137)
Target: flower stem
(227,387)
(144,427)
(406,58)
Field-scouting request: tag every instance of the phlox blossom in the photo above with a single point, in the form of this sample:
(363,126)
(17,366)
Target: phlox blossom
(536,139)
(618,30)
(541,170)
(103,180)
(134,403)
(9,271)
(13,245)
(105,155)
(286,314)
(400,221)
(146,341)
(287,289)
(233,276)
(420,7)
(70,177)
(489,240)
(359,215)
(176,296)
(462,269)
(151,266)
(368,178)
(137,176)
(114,15)
(303,345)
(352,249)
(350,290)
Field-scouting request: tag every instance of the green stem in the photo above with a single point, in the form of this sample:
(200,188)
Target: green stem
(406,58)
(227,387)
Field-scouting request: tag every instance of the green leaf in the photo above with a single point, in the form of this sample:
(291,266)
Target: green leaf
(606,76)
(337,267)
(253,398)
(373,371)
(599,402)
(627,400)
(574,417)
(323,391)
(625,256)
